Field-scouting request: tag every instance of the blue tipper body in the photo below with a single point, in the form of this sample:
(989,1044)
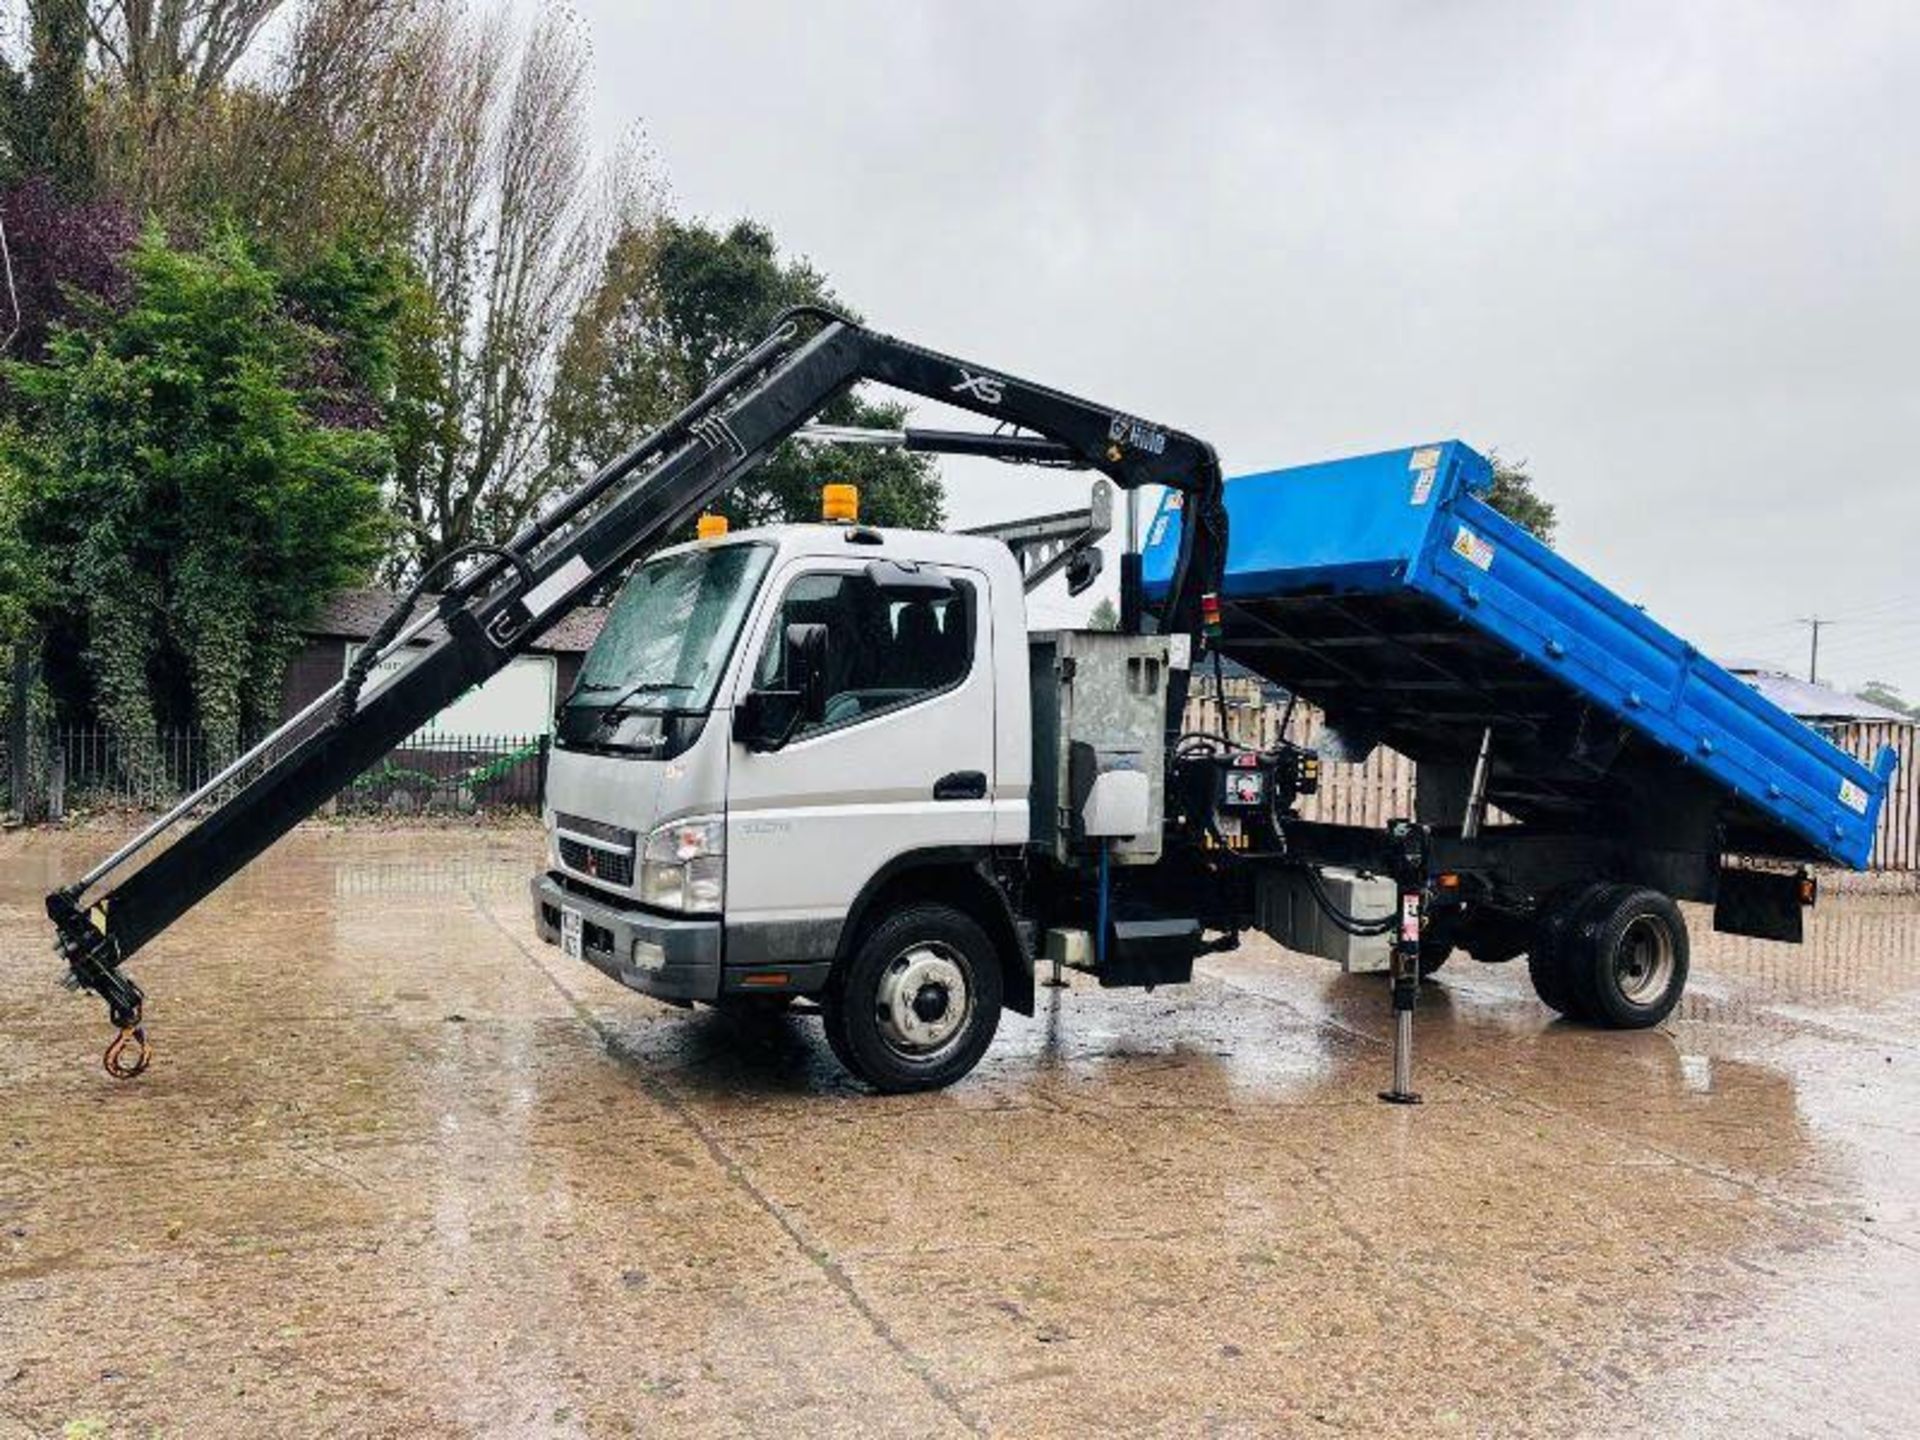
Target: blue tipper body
(1385,590)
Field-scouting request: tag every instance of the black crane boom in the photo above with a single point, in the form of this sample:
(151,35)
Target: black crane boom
(519,589)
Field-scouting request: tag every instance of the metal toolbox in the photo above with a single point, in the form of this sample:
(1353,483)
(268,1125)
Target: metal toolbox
(1099,703)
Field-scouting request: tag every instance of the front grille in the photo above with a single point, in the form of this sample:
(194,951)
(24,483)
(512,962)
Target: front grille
(613,867)
(616,836)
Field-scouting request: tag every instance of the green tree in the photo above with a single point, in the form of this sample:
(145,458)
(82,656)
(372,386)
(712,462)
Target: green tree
(1513,495)
(680,301)
(22,567)
(1105,616)
(1879,692)
(43,107)
(193,508)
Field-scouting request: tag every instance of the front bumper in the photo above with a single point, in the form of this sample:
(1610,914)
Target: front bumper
(689,969)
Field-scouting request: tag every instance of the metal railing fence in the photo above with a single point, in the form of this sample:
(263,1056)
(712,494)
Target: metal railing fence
(86,770)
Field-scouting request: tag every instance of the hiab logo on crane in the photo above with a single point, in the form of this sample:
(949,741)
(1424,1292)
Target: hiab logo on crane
(988,389)
(1123,428)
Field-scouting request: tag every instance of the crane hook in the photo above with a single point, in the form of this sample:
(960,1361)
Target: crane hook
(131,1051)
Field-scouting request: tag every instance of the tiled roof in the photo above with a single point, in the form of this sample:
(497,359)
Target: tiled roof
(356,614)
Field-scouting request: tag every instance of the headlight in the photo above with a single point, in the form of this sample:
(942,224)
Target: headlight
(683,866)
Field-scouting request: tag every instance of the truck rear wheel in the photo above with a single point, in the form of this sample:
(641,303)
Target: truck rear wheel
(918,1001)
(1551,958)
(1630,959)
(1612,955)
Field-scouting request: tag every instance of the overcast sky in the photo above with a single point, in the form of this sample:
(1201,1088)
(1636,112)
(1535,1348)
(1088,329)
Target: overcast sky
(1667,254)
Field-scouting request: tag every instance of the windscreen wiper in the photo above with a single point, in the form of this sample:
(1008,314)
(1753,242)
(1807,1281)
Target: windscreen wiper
(639,687)
(620,705)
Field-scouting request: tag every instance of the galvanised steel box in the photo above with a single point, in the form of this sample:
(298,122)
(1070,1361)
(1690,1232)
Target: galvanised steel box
(1099,702)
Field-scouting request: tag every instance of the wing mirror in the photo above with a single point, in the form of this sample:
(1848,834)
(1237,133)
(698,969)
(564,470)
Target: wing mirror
(767,719)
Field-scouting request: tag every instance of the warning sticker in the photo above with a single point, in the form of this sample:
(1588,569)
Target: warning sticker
(1422,487)
(1424,459)
(1472,549)
(1853,797)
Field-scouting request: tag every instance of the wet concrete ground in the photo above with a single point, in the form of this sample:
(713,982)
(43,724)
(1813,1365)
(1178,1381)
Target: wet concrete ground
(401,1169)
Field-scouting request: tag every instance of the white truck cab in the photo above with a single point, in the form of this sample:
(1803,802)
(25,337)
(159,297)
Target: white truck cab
(784,741)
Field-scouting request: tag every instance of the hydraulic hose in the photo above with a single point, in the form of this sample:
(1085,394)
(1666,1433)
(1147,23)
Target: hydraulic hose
(382,637)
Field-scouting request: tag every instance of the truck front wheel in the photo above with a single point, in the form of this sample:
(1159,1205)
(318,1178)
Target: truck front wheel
(917,1003)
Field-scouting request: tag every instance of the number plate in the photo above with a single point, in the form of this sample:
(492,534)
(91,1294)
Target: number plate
(570,933)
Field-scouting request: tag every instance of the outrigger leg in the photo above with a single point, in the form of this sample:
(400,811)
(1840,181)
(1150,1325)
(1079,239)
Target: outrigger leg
(1409,842)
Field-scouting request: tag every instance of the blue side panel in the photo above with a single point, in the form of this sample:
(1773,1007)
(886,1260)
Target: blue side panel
(1354,523)
(1415,567)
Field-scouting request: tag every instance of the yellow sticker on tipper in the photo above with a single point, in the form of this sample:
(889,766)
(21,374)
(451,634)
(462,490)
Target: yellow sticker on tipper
(1472,549)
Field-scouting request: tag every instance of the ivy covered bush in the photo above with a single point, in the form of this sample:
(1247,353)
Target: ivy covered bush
(195,477)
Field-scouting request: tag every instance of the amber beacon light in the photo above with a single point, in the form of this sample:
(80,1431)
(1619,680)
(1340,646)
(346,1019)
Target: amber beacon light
(840,502)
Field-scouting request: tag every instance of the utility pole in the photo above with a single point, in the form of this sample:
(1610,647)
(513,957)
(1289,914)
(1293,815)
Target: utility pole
(1813,623)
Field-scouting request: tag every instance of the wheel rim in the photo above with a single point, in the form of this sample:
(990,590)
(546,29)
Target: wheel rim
(924,1002)
(1643,962)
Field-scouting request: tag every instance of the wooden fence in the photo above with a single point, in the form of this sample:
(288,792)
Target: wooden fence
(1383,787)
(1896,846)
(1371,793)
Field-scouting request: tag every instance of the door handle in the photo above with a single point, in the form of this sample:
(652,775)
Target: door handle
(961,785)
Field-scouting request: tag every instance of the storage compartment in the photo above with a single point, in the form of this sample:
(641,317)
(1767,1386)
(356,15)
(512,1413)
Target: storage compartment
(1099,719)
(1286,909)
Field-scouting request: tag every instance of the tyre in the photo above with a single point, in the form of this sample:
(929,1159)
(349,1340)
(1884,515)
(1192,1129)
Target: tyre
(1432,957)
(1549,957)
(1628,959)
(917,1002)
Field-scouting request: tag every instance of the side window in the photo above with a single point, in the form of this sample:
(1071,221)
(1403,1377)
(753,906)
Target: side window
(881,653)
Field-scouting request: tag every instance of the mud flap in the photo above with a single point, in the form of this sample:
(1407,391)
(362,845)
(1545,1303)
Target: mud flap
(1762,904)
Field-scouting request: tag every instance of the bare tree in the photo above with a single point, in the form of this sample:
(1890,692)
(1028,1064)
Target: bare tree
(159,61)
(157,47)
(513,230)
(313,148)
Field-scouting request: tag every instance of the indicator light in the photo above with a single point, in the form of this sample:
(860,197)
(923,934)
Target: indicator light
(1210,613)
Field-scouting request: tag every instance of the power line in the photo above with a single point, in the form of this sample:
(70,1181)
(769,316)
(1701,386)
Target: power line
(1876,633)
(1857,660)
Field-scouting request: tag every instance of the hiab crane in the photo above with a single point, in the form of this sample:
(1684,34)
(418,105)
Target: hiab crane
(831,762)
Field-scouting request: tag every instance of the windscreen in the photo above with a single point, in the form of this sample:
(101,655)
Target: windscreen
(671,631)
